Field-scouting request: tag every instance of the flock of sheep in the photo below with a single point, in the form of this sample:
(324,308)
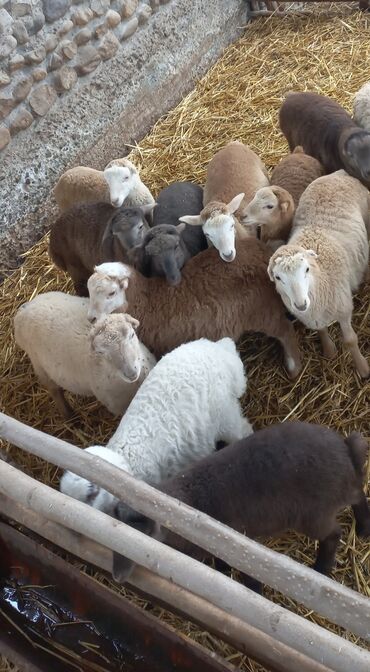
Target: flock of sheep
(195,269)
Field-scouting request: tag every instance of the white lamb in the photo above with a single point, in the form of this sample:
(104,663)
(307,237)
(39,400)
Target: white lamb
(119,183)
(326,259)
(106,361)
(188,402)
(361,107)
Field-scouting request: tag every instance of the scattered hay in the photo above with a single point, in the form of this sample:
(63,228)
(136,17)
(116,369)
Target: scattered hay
(238,99)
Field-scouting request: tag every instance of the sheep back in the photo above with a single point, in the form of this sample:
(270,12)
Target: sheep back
(317,123)
(293,475)
(233,170)
(295,172)
(80,185)
(213,300)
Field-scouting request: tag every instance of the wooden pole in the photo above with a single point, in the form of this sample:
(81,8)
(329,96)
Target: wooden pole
(309,639)
(252,642)
(327,597)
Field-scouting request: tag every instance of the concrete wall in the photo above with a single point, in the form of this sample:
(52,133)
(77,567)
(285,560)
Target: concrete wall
(105,109)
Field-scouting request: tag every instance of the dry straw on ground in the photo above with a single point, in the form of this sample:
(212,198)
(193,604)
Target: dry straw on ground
(238,99)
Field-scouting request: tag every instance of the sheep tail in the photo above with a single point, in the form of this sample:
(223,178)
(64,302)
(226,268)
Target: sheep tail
(358,450)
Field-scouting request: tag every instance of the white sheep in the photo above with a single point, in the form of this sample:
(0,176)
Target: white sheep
(188,402)
(361,107)
(271,210)
(106,361)
(118,183)
(326,259)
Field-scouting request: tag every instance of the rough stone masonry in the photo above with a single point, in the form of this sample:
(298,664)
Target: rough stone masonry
(82,79)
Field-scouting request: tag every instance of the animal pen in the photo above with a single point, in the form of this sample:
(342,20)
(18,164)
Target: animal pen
(177,613)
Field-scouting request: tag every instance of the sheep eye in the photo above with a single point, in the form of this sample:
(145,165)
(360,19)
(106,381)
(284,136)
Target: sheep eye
(307,269)
(277,277)
(112,293)
(269,207)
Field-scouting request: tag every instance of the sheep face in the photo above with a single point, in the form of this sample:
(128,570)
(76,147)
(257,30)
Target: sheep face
(89,493)
(356,155)
(217,220)
(268,207)
(162,253)
(292,275)
(114,338)
(121,180)
(107,290)
(128,226)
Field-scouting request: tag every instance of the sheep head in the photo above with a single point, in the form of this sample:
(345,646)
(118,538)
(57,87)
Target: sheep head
(292,269)
(128,226)
(218,222)
(89,493)
(161,253)
(271,210)
(121,179)
(114,337)
(354,148)
(107,289)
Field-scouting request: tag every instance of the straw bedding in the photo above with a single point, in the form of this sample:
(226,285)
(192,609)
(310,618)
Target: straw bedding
(237,99)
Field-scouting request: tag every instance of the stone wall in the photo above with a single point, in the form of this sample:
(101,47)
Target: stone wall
(90,80)
(45,45)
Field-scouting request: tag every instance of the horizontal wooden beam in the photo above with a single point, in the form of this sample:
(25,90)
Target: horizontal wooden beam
(252,642)
(327,597)
(308,638)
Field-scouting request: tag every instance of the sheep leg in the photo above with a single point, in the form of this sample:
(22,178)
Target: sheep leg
(361,512)
(328,348)
(234,426)
(288,339)
(245,579)
(351,341)
(326,554)
(56,392)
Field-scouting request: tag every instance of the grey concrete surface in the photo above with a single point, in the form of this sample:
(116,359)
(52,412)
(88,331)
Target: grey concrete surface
(109,109)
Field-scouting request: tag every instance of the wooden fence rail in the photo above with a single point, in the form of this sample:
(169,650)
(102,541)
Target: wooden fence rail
(327,597)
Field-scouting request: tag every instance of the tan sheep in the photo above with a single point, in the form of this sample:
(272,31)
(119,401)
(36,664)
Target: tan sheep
(326,259)
(118,183)
(233,176)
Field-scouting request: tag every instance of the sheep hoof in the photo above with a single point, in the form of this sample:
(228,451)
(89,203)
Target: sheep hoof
(330,351)
(363,368)
(293,369)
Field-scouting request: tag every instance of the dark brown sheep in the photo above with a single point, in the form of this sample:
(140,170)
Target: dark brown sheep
(293,475)
(213,300)
(327,132)
(93,233)
(162,253)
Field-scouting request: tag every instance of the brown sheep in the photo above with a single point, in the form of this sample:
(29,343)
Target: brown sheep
(290,476)
(213,300)
(327,132)
(90,234)
(295,172)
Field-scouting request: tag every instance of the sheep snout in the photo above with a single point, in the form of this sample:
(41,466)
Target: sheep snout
(228,257)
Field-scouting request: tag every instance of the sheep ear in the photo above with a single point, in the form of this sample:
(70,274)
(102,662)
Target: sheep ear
(193,220)
(235,203)
(123,282)
(312,253)
(148,208)
(298,150)
(270,271)
(181,227)
(133,321)
(284,206)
